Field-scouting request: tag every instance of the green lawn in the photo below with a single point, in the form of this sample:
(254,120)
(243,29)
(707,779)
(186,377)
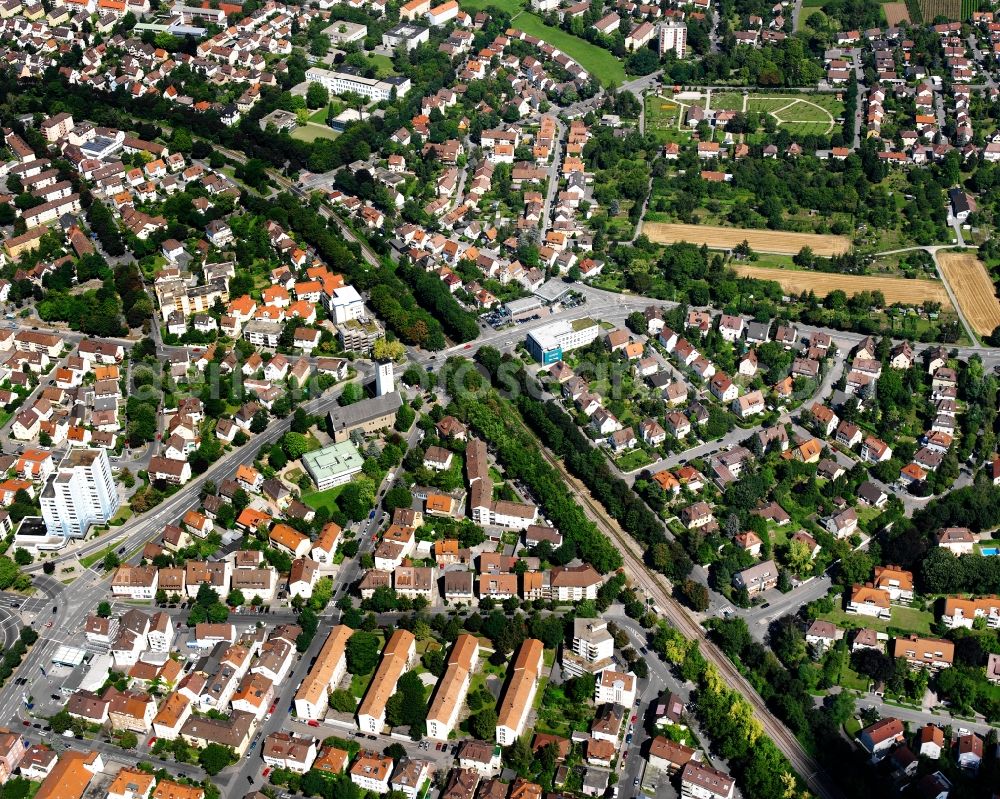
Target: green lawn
(903,618)
(512,7)
(851,680)
(311,131)
(635,459)
(600,63)
(323,499)
(359,684)
(381,63)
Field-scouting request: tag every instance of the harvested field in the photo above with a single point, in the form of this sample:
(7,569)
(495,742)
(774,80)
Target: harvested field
(973,289)
(895,13)
(895,289)
(725,238)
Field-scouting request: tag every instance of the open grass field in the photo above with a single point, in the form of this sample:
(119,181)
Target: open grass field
(600,63)
(973,289)
(725,238)
(312,131)
(952,9)
(323,499)
(895,13)
(895,289)
(903,618)
(383,64)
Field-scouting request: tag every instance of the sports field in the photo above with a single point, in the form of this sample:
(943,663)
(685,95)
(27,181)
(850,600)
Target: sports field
(599,62)
(973,289)
(725,238)
(312,131)
(895,289)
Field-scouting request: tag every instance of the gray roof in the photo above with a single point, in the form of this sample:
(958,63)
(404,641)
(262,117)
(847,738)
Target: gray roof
(360,412)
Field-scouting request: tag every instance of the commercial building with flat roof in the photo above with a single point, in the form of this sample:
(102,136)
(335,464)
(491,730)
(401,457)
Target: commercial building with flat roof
(333,465)
(405,35)
(548,343)
(341,82)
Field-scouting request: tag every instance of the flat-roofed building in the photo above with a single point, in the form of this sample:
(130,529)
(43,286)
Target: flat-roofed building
(452,688)
(520,693)
(333,465)
(396,659)
(327,671)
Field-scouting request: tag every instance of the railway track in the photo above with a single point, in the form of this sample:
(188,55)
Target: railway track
(657,587)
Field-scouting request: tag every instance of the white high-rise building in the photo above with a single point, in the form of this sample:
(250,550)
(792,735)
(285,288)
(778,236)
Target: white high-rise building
(384,381)
(80,493)
(673,36)
(345,304)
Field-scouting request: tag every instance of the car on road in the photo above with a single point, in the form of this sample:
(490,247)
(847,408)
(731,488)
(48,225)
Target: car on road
(265,772)
(312,723)
(49,624)
(151,742)
(635,782)
(634,719)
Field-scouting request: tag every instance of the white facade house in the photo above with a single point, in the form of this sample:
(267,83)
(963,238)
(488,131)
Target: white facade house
(341,83)
(615,687)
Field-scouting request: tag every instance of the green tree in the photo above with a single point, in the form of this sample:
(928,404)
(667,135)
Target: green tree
(317,95)
(343,701)
(362,652)
(483,725)
(215,757)
(128,740)
(104,610)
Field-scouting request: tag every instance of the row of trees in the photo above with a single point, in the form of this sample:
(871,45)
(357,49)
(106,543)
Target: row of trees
(496,421)
(560,433)
(390,298)
(432,294)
